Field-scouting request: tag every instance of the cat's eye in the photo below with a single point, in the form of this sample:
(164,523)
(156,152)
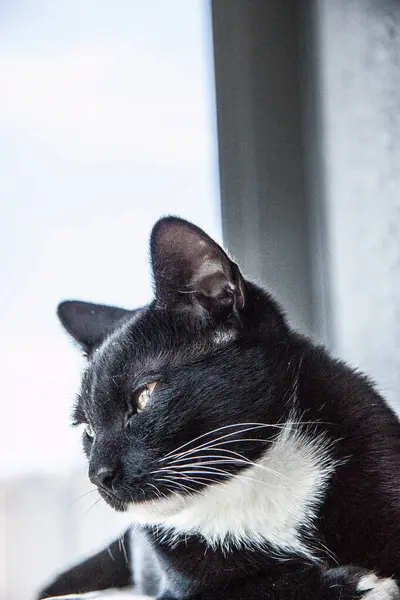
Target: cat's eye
(143,395)
(89,430)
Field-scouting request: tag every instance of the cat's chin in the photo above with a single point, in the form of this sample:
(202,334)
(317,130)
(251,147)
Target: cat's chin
(150,511)
(153,512)
(117,505)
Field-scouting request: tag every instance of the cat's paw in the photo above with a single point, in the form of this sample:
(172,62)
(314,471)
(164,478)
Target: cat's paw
(372,587)
(353,583)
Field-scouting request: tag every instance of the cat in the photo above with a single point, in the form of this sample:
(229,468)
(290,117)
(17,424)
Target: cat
(251,463)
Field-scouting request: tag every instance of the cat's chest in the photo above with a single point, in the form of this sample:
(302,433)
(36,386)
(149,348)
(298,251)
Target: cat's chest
(190,567)
(271,503)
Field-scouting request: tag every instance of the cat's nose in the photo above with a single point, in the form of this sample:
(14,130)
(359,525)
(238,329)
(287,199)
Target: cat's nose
(104,477)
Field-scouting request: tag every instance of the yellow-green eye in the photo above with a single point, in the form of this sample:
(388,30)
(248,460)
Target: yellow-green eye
(89,430)
(143,395)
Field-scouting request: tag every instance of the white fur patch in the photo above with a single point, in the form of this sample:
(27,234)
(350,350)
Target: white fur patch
(378,588)
(267,502)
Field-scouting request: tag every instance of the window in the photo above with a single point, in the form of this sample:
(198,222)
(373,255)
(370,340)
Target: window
(106,123)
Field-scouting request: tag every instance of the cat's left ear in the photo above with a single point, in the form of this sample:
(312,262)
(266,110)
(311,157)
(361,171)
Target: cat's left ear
(192,272)
(89,323)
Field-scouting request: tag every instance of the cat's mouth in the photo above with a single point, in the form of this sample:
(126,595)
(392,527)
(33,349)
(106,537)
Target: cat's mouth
(153,510)
(137,500)
(113,500)
(142,506)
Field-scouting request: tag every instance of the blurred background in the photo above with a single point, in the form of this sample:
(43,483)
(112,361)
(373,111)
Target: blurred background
(273,125)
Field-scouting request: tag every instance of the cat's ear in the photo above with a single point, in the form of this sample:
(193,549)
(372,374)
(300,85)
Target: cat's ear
(192,272)
(88,323)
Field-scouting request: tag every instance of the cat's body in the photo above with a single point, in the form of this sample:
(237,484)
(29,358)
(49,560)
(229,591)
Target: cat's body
(257,466)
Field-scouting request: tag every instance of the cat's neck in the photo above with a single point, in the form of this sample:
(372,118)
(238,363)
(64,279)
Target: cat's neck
(272,501)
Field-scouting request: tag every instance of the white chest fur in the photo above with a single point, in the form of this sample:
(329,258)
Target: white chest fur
(267,502)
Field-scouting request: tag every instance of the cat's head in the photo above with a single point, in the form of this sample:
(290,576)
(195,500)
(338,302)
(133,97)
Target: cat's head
(176,395)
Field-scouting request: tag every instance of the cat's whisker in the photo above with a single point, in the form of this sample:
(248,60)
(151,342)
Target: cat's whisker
(186,488)
(215,470)
(215,445)
(226,451)
(172,491)
(157,491)
(329,553)
(93,505)
(179,484)
(188,475)
(81,497)
(175,452)
(121,545)
(210,469)
(252,426)
(190,478)
(157,471)
(167,470)
(228,459)
(110,554)
(199,477)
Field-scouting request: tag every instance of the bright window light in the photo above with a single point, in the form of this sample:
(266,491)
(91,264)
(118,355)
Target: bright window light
(106,124)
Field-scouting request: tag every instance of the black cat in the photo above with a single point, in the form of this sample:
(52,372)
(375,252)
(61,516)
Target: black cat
(253,465)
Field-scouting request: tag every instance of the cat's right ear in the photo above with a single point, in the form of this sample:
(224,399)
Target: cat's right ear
(89,323)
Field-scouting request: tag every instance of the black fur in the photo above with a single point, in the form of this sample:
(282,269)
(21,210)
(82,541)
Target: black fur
(109,568)
(222,354)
